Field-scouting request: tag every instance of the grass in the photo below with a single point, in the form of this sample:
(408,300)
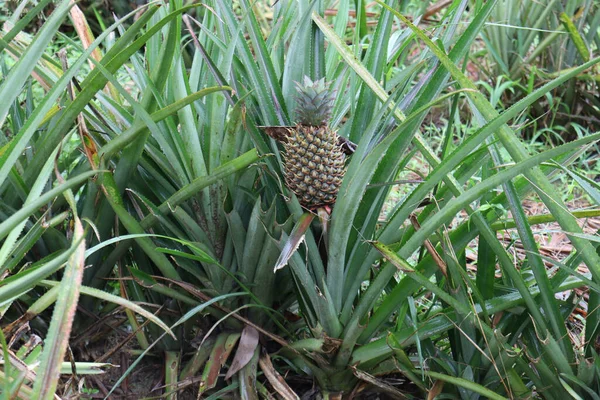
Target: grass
(143,210)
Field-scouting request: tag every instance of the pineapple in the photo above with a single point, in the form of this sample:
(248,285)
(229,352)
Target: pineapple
(314,159)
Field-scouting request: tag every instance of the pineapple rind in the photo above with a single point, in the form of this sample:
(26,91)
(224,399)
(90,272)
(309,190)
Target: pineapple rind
(314,160)
(314,165)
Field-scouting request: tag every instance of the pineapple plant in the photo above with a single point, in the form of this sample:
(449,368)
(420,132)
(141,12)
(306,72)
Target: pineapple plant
(314,154)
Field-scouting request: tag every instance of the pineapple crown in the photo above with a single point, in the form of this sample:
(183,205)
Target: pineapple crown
(314,102)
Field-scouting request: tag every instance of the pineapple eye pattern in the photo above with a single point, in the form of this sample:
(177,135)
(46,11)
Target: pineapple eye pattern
(314,154)
(314,147)
(317,182)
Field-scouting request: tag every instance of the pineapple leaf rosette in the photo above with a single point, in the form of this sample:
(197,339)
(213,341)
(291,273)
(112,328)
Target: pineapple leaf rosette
(314,154)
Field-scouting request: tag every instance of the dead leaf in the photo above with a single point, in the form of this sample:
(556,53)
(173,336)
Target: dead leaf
(295,239)
(385,387)
(245,350)
(279,133)
(435,390)
(275,379)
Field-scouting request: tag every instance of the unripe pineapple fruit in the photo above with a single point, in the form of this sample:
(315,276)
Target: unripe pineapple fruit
(314,155)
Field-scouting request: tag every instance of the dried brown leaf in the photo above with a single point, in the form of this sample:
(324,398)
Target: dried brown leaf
(245,350)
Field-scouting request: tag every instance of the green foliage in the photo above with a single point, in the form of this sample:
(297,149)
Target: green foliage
(175,191)
(529,43)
